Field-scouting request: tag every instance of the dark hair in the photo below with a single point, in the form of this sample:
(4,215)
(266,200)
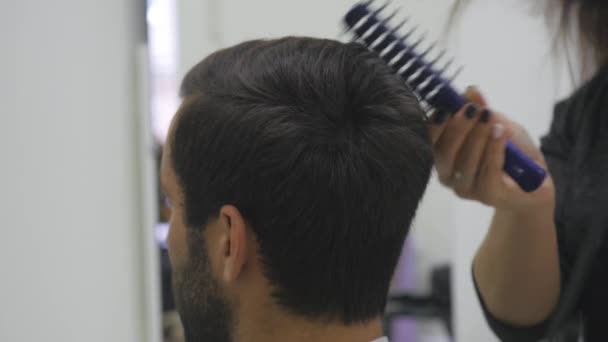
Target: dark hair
(323,150)
(591,20)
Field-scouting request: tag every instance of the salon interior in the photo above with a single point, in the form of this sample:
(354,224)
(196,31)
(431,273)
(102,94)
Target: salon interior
(88,91)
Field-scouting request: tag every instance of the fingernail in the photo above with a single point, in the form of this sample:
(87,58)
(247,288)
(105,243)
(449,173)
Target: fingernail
(471,111)
(498,131)
(440,117)
(472,87)
(485,116)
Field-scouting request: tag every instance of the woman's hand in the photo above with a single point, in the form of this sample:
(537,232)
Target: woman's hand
(469,152)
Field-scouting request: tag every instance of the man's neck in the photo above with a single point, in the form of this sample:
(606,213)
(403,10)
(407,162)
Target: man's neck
(266,329)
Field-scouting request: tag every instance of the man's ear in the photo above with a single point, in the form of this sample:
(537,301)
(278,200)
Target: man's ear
(234,245)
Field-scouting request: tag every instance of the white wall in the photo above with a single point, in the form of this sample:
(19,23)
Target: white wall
(506,52)
(72,258)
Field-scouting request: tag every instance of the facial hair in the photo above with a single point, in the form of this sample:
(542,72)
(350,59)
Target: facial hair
(205,313)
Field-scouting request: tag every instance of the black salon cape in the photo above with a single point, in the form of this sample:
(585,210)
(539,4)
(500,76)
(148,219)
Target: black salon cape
(576,151)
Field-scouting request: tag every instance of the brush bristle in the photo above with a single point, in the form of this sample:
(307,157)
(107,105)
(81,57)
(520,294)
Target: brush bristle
(375,33)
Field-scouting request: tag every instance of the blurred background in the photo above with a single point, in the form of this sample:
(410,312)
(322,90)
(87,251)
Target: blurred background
(87,90)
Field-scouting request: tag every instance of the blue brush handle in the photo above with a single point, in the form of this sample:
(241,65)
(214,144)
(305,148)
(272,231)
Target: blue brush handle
(523,170)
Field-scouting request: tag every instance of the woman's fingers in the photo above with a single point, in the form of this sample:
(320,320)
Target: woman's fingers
(438,120)
(468,161)
(475,96)
(490,184)
(448,144)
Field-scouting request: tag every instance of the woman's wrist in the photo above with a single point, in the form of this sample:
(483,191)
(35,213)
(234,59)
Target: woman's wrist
(541,215)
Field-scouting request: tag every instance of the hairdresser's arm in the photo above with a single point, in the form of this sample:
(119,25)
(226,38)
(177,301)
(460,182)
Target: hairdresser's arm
(517,267)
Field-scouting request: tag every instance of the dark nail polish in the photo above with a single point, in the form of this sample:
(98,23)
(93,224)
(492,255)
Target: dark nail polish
(485,116)
(440,117)
(471,111)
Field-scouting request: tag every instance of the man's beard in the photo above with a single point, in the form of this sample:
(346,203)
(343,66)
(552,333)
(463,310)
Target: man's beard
(205,313)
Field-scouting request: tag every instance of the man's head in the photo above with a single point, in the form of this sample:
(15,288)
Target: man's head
(294,168)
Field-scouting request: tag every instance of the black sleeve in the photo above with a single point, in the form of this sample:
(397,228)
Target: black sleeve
(556,146)
(510,333)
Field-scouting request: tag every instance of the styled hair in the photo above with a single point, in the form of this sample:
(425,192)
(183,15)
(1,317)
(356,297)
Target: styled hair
(326,154)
